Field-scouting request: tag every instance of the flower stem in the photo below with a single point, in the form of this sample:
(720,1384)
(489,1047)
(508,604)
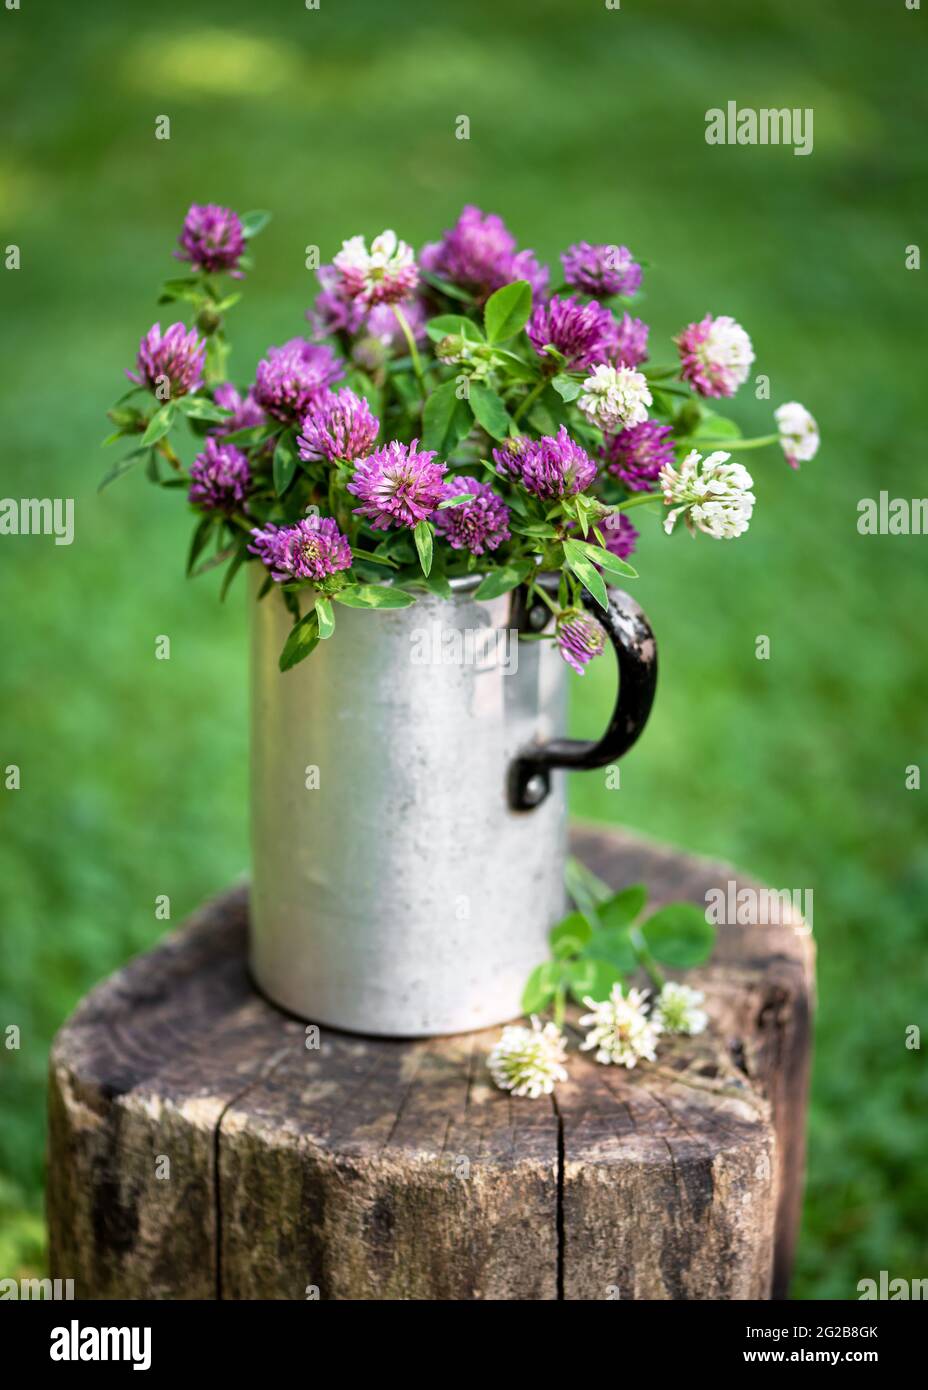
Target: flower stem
(734,444)
(559,1002)
(637,501)
(413,350)
(166,452)
(528,400)
(645,959)
(217,356)
(545,598)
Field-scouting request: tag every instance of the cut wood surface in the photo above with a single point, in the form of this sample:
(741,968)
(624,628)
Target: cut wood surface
(199,1148)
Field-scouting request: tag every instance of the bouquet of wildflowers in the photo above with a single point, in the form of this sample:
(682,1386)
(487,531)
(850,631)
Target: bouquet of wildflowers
(444,414)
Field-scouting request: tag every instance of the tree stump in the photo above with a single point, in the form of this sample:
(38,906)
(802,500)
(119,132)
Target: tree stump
(200,1149)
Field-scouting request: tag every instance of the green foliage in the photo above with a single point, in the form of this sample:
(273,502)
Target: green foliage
(325,617)
(285,458)
(579,564)
(456,500)
(424,537)
(372,596)
(568,388)
(199,408)
(449,325)
(22,1234)
(123,466)
(253,223)
(199,541)
(159,424)
(303,638)
(446,419)
(540,987)
(489,410)
(570,935)
(602,942)
(612,564)
(679,935)
(501,581)
(507,311)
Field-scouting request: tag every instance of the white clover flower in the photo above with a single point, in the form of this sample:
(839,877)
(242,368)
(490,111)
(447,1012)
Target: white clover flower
(621,1031)
(677,1009)
(615,398)
(715,355)
(384,275)
(729,348)
(714,495)
(799,436)
(528,1061)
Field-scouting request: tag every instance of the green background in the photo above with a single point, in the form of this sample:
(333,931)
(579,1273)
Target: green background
(585,123)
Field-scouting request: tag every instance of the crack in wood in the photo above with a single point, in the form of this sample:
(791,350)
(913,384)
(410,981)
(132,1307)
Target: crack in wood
(559,1224)
(267,1072)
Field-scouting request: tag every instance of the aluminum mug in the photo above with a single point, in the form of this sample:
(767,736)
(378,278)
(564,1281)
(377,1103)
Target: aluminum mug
(408,811)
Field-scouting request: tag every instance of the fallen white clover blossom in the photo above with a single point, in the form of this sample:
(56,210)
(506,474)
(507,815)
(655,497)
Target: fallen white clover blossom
(677,1009)
(528,1061)
(714,495)
(615,398)
(799,436)
(621,1031)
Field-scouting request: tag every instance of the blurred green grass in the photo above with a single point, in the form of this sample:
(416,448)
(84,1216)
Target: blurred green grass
(585,123)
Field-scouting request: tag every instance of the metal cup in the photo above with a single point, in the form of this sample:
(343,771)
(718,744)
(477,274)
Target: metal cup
(408,820)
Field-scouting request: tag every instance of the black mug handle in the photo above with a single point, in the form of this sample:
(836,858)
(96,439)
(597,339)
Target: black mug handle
(630,632)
